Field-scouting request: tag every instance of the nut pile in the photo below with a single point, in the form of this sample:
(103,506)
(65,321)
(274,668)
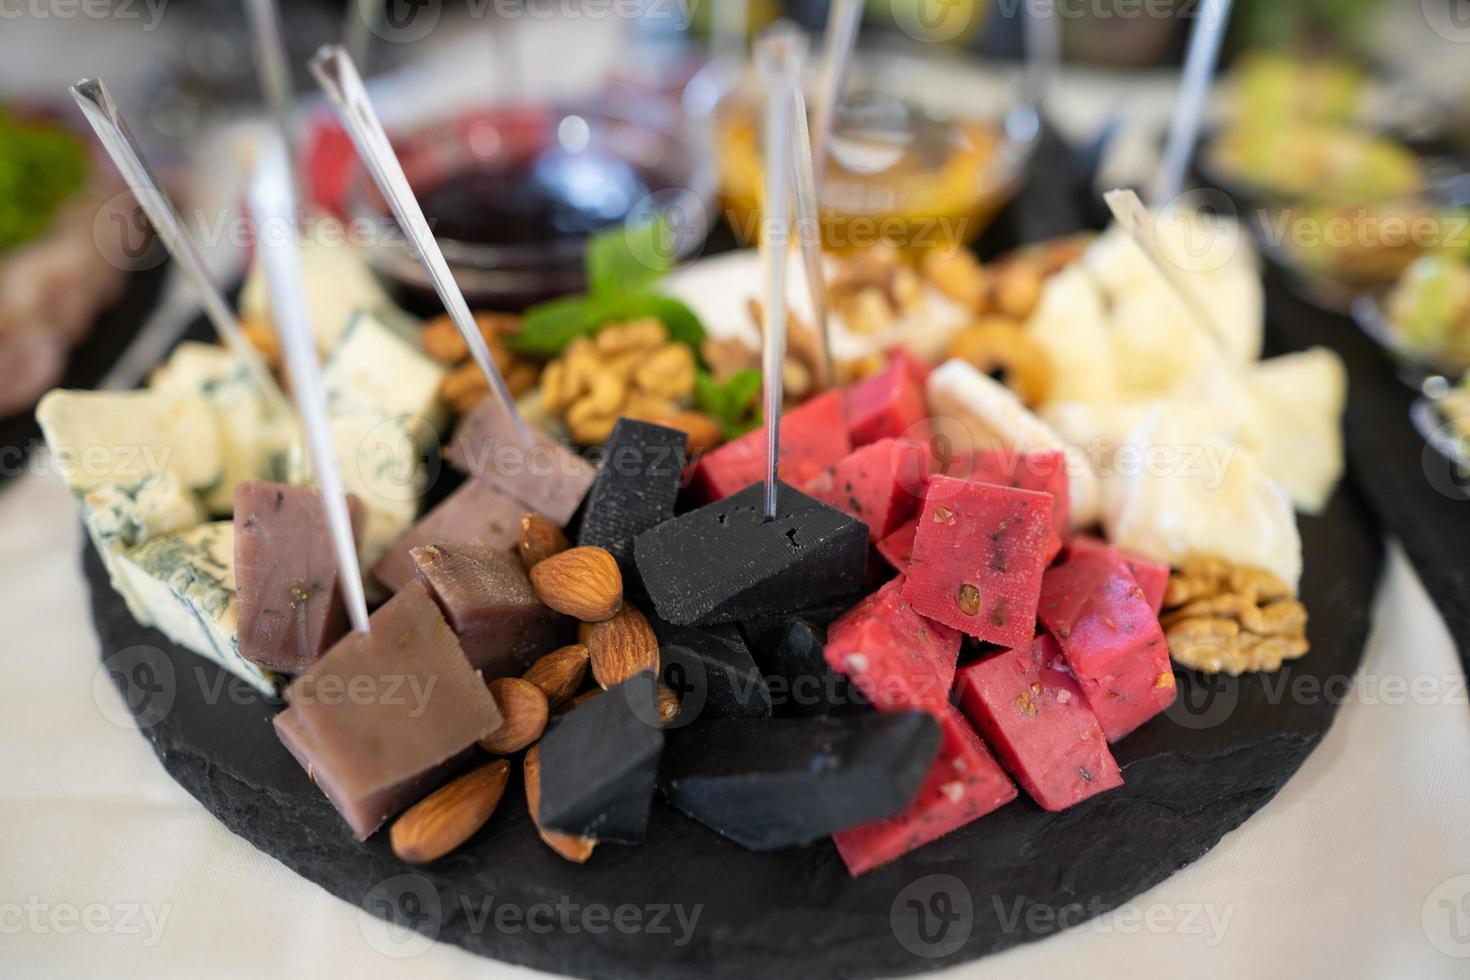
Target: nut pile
(630,369)
(464,386)
(582,582)
(1221,617)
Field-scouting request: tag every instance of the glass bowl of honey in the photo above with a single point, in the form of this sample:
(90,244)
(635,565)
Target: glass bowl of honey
(514,192)
(902,169)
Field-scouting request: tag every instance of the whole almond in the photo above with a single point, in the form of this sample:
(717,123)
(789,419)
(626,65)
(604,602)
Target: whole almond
(581,582)
(621,647)
(450,815)
(560,673)
(524,711)
(569,846)
(578,701)
(540,539)
(668,704)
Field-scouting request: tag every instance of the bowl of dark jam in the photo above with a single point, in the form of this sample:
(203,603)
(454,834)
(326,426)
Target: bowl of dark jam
(513,194)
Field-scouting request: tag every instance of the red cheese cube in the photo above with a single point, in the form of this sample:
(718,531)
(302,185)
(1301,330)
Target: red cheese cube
(1110,637)
(889,404)
(896,657)
(1152,576)
(1042,472)
(875,484)
(979,554)
(813,438)
(912,364)
(898,548)
(1029,708)
(964,784)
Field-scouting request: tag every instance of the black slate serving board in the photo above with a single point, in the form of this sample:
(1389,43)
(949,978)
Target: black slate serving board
(112,332)
(1014,876)
(1411,487)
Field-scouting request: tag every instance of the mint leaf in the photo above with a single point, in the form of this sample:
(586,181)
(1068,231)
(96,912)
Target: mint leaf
(732,404)
(548,327)
(629,257)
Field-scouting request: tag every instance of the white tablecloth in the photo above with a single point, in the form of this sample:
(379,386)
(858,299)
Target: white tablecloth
(1359,868)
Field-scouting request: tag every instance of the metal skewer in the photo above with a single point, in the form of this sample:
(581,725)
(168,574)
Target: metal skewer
(273,66)
(112,129)
(1199,68)
(363,20)
(790,47)
(274,208)
(338,76)
(843,19)
(774,242)
(1043,44)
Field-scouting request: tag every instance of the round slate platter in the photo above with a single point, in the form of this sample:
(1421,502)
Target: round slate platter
(690,904)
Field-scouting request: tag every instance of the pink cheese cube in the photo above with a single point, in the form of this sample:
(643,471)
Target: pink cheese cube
(477,513)
(547,476)
(896,657)
(1030,710)
(964,784)
(1042,472)
(912,364)
(887,405)
(1152,576)
(875,484)
(898,548)
(979,554)
(813,438)
(1110,636)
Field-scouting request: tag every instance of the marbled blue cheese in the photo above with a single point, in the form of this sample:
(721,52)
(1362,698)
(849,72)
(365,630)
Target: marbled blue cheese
(378,362)
(253,445)
(184,584)
(119,519)
(121,438)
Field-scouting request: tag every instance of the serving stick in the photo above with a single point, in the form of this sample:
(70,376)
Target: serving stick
(334,70)
(273,206)
(843,19)
(273,66)
(96,103)
(363,20)
(728,29)
(1043,43)
(790,46)
(781,88)
(1199,68)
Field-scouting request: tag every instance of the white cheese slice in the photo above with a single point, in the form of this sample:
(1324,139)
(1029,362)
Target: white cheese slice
(123,437)
(185,585)
(1303,396)
(994,417)
(121,518)
(253,446)
(1071,324)
(378,364)
(1176,491)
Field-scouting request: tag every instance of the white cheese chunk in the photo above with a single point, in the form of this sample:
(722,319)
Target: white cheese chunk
(185,586)
(379,364)
(253,445)
(121,438)
(121,518)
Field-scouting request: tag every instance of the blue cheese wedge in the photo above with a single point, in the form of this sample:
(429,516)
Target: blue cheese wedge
(253,445)
(184,584)
(121,438)
(378,362)
(119,519)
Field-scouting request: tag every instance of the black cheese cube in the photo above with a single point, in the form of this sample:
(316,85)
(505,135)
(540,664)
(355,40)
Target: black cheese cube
(712,672)
(599,764)
(789,652)
(725,562)
(635,487)
(789,781)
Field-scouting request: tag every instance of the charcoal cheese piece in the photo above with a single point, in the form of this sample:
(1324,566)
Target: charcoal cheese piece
(290,607)
(635,488)
(475,513)
(384,715)
(548,478)
(725,562)
(599,764)
(487,597)
(791,781)
(789,651)
(711,671)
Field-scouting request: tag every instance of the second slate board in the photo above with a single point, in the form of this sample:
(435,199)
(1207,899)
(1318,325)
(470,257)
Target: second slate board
(1192,775)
